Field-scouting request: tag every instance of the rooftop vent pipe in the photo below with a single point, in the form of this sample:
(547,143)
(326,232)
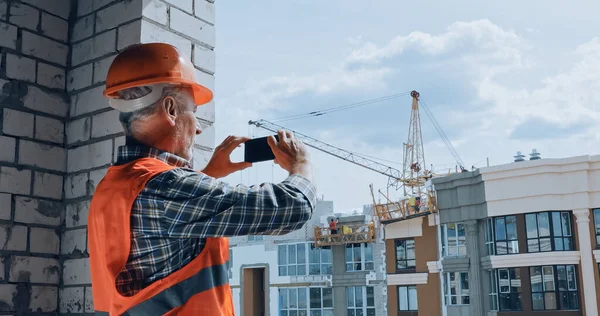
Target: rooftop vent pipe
(534,155)
(519,157)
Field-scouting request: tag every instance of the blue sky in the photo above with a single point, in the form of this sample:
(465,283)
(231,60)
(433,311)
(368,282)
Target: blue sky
(500,77)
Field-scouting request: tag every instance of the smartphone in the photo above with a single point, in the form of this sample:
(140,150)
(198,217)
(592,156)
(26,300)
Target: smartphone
(257,149)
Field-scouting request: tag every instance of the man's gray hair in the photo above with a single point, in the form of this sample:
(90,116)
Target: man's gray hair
(128,118)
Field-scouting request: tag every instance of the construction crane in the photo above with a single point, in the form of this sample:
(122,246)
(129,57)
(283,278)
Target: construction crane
(412,178)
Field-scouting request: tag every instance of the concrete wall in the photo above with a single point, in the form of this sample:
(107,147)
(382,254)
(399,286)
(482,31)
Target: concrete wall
(460,197)
(59,135)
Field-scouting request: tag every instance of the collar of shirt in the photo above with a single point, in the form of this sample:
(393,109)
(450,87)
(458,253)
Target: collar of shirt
(134,149)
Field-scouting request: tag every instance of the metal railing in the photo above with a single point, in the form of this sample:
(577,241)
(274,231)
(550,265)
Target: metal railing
(345,234)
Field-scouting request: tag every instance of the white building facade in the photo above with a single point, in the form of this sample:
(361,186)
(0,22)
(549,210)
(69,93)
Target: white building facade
(286,275)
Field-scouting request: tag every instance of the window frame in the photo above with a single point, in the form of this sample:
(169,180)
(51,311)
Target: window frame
(230,264)
(460,248)
(596,213)
(408,288)
(459,288)
(512,295)
(406,260)
(285,306)
(364,263)
(306,265)
(557,292)
(323,266)
(551,229)
(365,308)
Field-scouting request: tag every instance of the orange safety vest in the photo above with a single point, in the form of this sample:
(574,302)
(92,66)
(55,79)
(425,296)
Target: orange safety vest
(199,288)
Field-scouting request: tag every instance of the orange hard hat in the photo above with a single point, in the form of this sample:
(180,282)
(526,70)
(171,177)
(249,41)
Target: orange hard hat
(153,63)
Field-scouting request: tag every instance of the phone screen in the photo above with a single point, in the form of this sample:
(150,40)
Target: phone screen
(257,149)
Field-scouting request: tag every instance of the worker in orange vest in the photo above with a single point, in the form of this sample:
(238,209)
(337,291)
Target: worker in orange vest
(158,229)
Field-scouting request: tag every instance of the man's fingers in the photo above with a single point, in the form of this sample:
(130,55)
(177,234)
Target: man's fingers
(241,165)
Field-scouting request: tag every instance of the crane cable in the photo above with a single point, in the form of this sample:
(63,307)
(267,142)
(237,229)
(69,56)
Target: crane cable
(443,135)
(339,108)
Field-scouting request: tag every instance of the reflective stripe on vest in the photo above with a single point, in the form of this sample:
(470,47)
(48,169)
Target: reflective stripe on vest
(181,292)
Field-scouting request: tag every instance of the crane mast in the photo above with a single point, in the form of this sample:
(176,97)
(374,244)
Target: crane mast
(414,170)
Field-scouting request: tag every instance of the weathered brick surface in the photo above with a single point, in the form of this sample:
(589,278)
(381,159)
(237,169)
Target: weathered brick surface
(37,211)
(34,269)
(13,237)
(47,185)
(44,240)
(61,134)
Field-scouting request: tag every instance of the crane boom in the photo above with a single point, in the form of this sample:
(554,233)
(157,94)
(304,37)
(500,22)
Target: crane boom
(335,151)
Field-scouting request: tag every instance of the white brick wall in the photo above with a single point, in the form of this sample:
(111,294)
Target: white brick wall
(59,135)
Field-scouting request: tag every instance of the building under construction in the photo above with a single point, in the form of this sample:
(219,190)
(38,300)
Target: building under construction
(312,271)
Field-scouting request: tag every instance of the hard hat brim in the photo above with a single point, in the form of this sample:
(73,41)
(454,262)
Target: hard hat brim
(201,94)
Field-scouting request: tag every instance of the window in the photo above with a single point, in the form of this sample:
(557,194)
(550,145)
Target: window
(320,260)
(549,231)
(306,301)
(361,300)
(597,226)
(405,254)
(292,259)
(359,257)
(489,237)
(253,238)
(554,287)
(457,288)
(454,241)
(407,298)
(493,294)
(509,289)
(505,229)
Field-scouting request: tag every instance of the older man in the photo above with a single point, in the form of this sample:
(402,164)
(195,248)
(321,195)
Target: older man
(157,229)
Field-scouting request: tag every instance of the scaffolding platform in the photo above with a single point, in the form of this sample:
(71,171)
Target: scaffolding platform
(346,234)
(404,210)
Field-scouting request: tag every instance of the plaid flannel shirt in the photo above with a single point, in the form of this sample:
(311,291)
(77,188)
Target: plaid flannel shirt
(178,209)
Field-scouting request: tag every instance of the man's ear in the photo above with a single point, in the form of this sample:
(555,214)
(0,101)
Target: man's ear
(170,109)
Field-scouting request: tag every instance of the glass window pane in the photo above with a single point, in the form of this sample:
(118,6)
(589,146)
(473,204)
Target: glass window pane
(358,297)
(558,244)
(326,255)
(556,224)
(403,298)
(550,300)
(326,269)
(543,224)
(313,255)
(350,296)
(573,300)
(561,274)
(548,275)
(566,223)
(536,279)
(545,244)
(371,312)
(370,296)
(283,298)
(513,246)
(568,243)
(314,269)
(413,303)
(501,247)
(511,227)
(292,254)
(571,278)
(301,250)
(302,298)
(301,269)
(504,281)
(349,253)
(282,254)
(410,249)
(283,271)
(357,254)
(369,252)
(531,223)
(292,270)
(293,298)
(400,249)
(533,245)
(315,297)
(538,301)
(500,229)
(327,297)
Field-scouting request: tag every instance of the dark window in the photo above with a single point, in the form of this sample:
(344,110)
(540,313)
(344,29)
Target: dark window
(597,226)
(549,231)
(505,235)
(405,254)
(509,289)
(554,287)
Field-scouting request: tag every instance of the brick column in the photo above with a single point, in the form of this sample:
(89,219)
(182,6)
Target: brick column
(33,105)
(58,135)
